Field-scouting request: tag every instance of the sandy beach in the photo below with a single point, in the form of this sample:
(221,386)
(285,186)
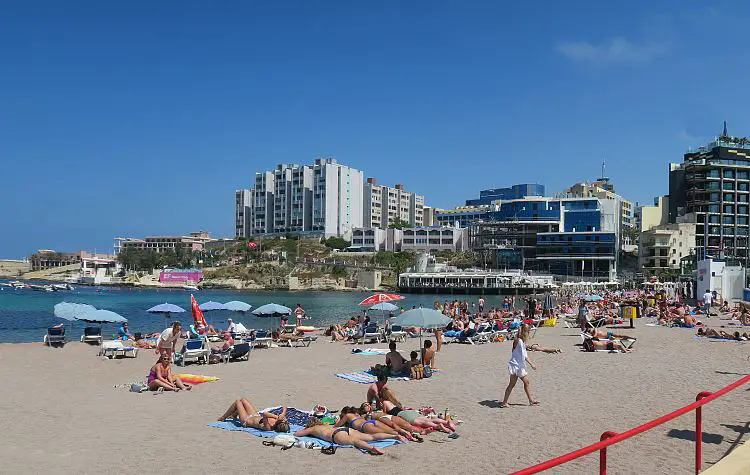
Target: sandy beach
(61,412)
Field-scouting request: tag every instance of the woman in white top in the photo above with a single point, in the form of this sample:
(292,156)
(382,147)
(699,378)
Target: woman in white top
(168,339)
(517,367)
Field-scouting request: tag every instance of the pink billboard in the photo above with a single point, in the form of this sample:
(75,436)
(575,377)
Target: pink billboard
(184,276)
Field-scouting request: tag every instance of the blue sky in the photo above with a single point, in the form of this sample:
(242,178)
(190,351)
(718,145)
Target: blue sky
(139,118)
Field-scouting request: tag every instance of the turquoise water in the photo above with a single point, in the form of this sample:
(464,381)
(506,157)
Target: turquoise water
(25,315)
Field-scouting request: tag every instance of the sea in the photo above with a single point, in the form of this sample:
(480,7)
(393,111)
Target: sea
(26,314)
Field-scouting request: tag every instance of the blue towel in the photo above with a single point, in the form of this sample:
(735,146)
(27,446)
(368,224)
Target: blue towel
(294,416)
(234,425)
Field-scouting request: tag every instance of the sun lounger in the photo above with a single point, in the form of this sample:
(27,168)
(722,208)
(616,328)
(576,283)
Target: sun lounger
(55,336)
(196,349)
(112,349)
(397,333)
(238,351)
(289,328)
(297,341)
(92,335)
(483,334)
(261,339)
(373,333)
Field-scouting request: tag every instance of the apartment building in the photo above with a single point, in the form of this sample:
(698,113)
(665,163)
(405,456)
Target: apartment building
(243,212)
(666,246)
(383,205)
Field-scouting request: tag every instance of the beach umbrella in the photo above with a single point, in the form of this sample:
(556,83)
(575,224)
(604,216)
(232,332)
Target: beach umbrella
(237,306)
(385,307)
(592,298)
(211,305)
(102,316)
(548,303)
(71,311)
(422,318)
(166,309)
(380,298)
(272,310)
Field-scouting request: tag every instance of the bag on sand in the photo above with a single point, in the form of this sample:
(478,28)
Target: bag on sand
(285,441)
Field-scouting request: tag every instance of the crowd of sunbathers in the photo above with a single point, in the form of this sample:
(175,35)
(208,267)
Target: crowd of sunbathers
(382,416)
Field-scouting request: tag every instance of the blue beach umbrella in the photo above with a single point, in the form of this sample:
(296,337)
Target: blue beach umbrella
(272,310)
(237,306)
(71,311)
(422,318)
(166,309)
(102,316)
(211,305)
(385,307)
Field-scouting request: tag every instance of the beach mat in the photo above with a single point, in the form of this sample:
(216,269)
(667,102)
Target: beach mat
(234,425)
(370,351)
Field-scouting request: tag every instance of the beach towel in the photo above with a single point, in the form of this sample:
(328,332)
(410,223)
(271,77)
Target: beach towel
(195,378)
(234,425)
(367,377)
(369,351)
(293,415)
(715,338)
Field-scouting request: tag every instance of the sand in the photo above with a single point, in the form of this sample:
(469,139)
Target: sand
(60,411)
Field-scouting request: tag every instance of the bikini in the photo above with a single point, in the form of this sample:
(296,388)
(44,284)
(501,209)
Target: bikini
(351,423)
(336,431)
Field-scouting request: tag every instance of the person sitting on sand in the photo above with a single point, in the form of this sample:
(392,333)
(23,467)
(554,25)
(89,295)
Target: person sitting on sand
(595,345)
(428,354)
(605,335)
(161,377)
(395,361)
(349,416)
(416,369)
(724,307)
(392,406)
(249,416)
(336,333)
(123,333)
(342,436)
(375,391)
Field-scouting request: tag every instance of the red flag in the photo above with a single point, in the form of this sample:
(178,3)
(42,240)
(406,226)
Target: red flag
(197,313)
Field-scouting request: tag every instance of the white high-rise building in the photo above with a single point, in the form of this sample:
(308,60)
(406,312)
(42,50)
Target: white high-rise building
(324,199)
(243,212)
(384,205)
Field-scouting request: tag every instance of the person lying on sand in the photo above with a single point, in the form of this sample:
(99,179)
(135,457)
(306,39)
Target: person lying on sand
(605,335)
(341,436)
(537,347)
(393,406)
(721,334)
(249,416)
(396,423)
(161,377)
(594,345)
(349,417)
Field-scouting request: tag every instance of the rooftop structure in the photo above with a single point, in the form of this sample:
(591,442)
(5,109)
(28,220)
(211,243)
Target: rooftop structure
(192,242)
(514,192)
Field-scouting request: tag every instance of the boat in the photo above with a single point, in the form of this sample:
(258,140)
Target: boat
(190,287)
(62,287)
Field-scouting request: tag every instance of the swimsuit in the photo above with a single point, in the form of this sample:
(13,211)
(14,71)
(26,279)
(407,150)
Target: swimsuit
(151,377)
(336,431)
(395,411)
(361,428)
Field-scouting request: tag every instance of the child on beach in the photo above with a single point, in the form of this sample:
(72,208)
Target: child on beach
(517,367)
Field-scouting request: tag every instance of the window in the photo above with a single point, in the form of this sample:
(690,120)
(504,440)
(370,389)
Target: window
(743,186)
(742,209)
(728,185)
(713,208)
(742,220)
(728,220)
(713,197)
(663,262)
(728,196)
(712,174)
(728,174)
(728,209)
(742,175)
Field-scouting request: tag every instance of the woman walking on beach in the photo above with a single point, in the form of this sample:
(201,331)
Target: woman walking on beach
(517,367)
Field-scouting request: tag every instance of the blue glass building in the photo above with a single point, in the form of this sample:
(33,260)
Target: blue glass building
(513,193)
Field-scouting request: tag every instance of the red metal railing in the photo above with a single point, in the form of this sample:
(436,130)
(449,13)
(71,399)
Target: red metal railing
(611,438)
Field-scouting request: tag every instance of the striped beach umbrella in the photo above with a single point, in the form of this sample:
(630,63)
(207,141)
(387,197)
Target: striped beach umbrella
(380,298)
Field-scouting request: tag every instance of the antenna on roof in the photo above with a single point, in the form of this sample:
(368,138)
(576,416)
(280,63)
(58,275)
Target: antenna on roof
(604,165)
(725,130)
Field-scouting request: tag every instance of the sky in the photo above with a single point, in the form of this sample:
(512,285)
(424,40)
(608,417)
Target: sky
(141,118)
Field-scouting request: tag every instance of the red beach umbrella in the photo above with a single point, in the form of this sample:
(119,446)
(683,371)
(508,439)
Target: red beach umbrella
(380,298)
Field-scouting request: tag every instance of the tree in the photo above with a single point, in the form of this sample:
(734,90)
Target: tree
(336,243)
(398,223)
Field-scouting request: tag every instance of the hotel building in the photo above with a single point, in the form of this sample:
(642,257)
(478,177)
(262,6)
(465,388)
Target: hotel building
(190,243)
(711,188)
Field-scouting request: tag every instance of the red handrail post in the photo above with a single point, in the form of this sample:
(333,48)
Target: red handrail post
(699,432)
(603,453)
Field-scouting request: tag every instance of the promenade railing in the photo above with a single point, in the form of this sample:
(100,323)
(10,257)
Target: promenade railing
(610,438)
